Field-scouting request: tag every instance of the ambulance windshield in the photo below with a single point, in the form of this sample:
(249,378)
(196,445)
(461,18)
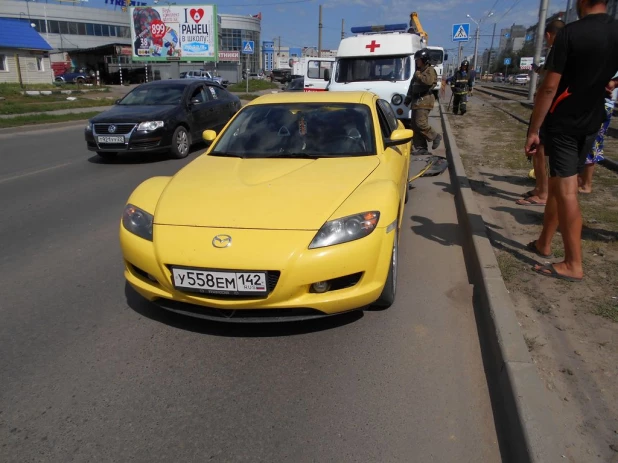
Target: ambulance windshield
(369,69)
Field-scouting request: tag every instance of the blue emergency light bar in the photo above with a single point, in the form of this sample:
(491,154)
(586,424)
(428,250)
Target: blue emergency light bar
(383,28)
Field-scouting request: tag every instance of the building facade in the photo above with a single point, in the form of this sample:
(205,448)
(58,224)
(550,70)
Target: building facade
(82,36)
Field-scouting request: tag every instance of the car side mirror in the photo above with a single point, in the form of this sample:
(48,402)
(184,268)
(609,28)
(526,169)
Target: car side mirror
(117,101)
(195,101)
(326,75)
(446,57)
(399,137)
(209,136)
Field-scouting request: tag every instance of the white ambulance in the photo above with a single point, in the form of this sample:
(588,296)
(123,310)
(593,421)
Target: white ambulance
(379,59)
(313,70)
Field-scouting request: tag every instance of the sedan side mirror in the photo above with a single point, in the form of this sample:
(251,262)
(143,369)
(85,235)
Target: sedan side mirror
(326,75)
(209,136)
(117,101)
(196,101)
(399,137)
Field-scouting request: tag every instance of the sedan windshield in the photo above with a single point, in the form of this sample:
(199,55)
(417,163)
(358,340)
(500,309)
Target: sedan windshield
(154,95)
(303,130)
(392,68)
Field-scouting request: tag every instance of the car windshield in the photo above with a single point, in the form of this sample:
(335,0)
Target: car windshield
(303,130)
(154,95)
(436,57)
(393,68)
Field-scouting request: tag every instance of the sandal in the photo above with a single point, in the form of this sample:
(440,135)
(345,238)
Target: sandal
(527,194)
(543,270)
(531,246)
(529,202)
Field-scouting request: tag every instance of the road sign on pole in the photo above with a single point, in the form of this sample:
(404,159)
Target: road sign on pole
(507,61)
(461,32)
(248,47)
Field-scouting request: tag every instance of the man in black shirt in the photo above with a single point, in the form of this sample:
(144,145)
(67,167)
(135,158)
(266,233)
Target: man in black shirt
(570,100)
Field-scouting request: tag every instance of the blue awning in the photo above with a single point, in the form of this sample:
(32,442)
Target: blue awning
(18,33)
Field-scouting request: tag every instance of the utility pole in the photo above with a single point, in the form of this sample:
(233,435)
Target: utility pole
(320,34)
(538,45)
(567,14)
(476,46)
(491,48)
(459,54)
(342,30)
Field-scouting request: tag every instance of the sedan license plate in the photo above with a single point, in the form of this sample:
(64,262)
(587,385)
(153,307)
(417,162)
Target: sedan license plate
(220,283)
(110,139)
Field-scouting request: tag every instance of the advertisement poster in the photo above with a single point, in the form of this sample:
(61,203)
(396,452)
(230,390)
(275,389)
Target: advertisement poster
(174,33)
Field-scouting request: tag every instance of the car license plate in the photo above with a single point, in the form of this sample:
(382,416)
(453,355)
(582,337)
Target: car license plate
(111,139)
(221,283)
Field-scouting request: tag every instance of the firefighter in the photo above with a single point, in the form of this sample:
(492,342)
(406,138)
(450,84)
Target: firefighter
(423,100)
(461,85)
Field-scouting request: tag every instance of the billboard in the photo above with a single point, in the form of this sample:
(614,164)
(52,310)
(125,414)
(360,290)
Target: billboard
(526,62)
(174,33)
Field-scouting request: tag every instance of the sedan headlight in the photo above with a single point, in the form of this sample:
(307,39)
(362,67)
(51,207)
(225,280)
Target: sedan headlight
(150,126)
(397,99)
(345,229)
(137,221)
(89,127)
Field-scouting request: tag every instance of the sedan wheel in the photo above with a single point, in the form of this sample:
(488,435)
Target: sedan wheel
(181,143)
(390,288)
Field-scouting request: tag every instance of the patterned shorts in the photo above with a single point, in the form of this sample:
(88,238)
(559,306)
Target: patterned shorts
(596,154)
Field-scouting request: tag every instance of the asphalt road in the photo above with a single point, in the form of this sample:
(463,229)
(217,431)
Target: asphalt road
(90,372)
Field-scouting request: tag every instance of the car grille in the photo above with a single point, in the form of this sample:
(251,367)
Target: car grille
(112,146)
(121,129)
(145,144)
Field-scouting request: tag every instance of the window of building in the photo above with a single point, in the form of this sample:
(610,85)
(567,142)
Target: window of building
(112,31)
(98,31)
(39,64)
(53,27)
(105,29)
(3,65)
(72,28)
(89,29)
(64,27)
(81,28)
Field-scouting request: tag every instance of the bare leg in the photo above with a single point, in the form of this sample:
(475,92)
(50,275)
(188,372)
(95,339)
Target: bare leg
(585,179)
(563,209)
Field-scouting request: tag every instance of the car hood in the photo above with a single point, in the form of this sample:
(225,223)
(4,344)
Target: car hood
(127,113)
(275,194)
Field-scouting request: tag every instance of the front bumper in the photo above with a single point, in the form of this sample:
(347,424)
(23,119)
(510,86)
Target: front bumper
(155,141)
(357,269)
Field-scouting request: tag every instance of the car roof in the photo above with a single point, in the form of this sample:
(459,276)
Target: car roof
(183,82)
(315,97)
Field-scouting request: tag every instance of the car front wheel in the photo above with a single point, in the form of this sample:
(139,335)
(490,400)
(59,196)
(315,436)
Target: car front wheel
(387,297)
(181,142)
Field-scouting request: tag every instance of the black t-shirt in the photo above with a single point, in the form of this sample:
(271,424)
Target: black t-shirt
(585,53)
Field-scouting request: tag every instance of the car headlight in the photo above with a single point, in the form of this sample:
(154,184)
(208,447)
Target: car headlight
(345,229)
(137,221)
(397,99)
(89,127)
(150,126)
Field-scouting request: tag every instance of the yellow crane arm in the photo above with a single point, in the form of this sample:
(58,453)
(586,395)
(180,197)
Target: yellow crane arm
(416,23)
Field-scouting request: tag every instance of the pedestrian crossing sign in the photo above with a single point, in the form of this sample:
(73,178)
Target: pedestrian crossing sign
(461,32)
(248,47)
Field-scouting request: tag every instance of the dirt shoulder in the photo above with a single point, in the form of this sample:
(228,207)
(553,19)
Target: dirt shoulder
(571,329)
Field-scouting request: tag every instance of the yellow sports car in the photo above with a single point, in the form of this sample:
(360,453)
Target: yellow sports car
(292,213)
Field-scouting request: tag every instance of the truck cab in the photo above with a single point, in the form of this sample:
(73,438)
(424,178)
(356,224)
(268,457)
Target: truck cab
(437,59)
(379,59)
(314,72)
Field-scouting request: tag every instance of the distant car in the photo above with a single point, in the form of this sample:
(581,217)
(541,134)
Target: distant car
(293,213)
(161,116)
(295,85)
(280,75)
(497,78)
(78,76)
(521,79)
(205,75)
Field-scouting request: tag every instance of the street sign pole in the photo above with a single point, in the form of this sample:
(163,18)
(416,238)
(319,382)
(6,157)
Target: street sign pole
(538,45)
(247,74)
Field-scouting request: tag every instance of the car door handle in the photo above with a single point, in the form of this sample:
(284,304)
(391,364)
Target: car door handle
(309,85)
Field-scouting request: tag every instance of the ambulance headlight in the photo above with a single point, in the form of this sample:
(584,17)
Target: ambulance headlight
(397,99)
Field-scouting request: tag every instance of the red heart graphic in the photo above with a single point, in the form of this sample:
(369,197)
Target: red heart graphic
(196,15)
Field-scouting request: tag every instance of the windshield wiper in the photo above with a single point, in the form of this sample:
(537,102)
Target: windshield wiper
(225,155)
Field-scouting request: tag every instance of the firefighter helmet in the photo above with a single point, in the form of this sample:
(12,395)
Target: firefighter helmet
(465,63)
(423,55)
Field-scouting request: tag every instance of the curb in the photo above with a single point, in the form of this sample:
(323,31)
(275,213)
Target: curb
(528,431)
(46,126)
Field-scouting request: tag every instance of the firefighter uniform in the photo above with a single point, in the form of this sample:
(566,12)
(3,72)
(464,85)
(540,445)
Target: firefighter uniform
(461,85)
(421,97)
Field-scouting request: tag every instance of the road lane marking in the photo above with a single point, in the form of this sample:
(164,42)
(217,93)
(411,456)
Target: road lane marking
(28,174)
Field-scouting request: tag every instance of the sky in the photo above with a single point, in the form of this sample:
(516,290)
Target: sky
(296,21)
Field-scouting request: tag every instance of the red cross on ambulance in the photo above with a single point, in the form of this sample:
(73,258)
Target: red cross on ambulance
(372,46)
